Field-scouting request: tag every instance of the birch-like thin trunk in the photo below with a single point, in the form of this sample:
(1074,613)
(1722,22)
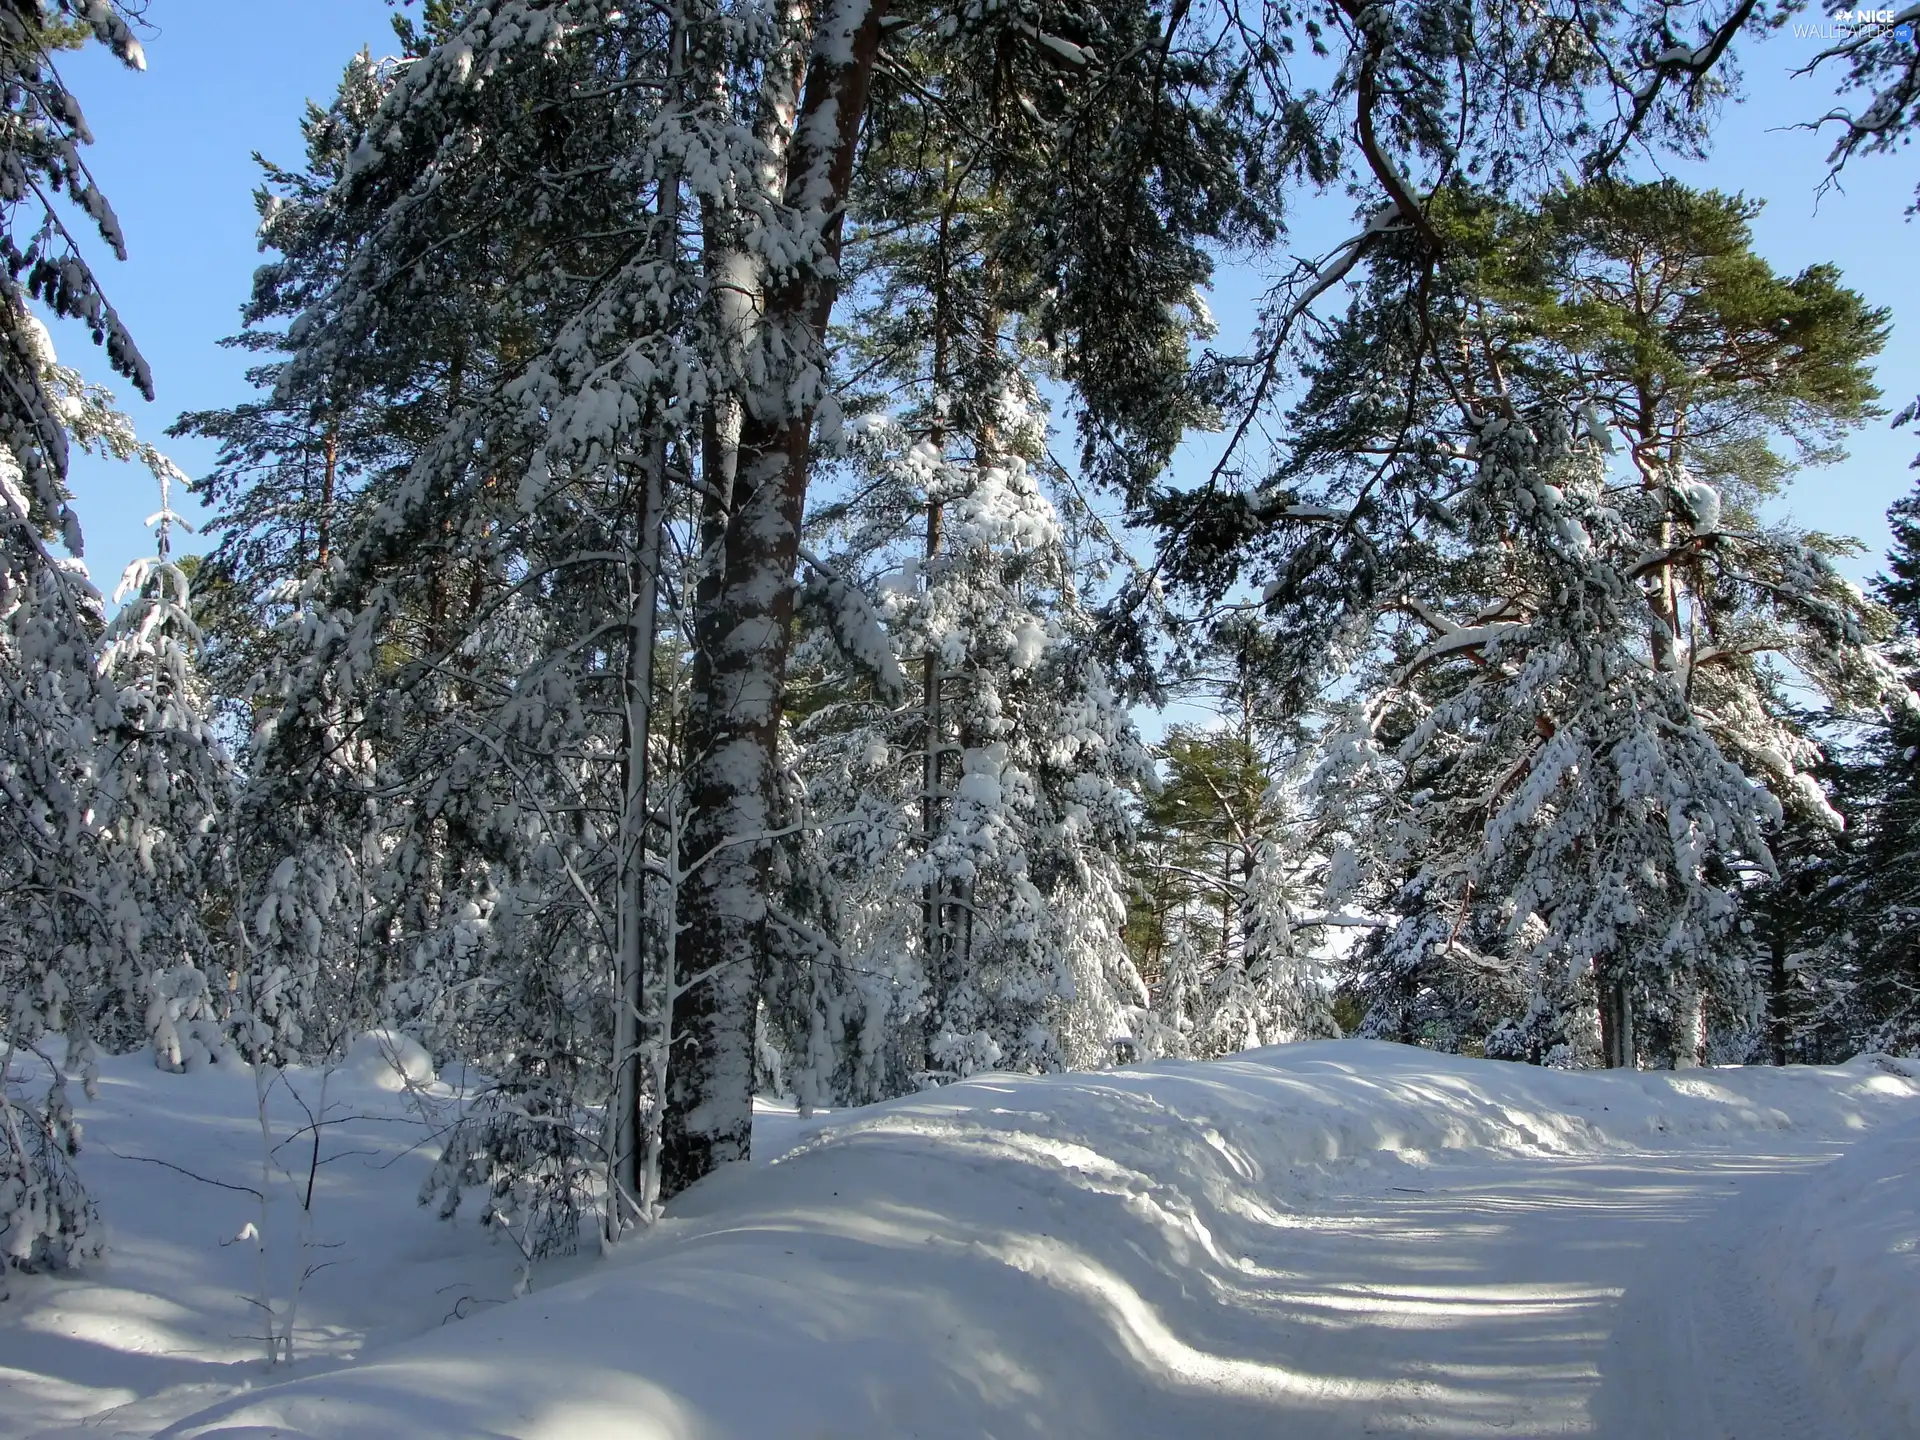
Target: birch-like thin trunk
(303,1244)
(741,644)
(264,1299)
(935,944)
(654,1040)
(627,1181)
(626,1188)
(934,941)
(1779,989)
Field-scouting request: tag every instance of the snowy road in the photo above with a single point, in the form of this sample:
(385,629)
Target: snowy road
(1343,1240)
(1610,1298)
(1530,1298)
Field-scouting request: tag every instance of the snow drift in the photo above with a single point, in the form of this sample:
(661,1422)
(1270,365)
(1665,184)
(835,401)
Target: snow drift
(170,1320)
(1151,1251)
(1843,1265)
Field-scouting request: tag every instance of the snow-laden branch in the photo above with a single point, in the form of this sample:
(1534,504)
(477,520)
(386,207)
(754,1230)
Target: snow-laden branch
(1462,639)
(1675,62)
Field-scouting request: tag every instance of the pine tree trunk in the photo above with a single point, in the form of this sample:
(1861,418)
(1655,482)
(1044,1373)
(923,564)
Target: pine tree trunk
(1226,903)
(934,939)
(1779,985)
(1616,1022)
(741,636)
(936,943)
(330,455)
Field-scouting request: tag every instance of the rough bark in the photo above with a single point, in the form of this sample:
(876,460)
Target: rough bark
(1619,1051)
(330,455)
(1779,992)
(741,635)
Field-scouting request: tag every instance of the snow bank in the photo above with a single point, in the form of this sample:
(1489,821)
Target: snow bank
(1092,1255)
(1843,1265)
(168,1321)
(388,1060)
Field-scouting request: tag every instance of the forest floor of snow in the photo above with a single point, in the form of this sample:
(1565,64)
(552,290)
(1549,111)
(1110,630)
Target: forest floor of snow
(1337,1239)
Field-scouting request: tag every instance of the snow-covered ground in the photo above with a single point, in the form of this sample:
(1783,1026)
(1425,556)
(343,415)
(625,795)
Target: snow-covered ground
(170,1319)
(1843,1264)
(1325,1240)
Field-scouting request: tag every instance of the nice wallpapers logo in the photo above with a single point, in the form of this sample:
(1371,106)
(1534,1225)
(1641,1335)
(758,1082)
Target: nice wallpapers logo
(1849,24)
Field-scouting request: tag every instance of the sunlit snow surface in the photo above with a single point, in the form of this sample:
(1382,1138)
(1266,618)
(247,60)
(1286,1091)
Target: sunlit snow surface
(1842,1264)
(1339,1239)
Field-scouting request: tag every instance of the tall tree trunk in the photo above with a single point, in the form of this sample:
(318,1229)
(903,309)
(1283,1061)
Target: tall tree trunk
(1618,1049)
(735,271)
(936,940)
(330,454)
(1779,988)
(630,1182)
(741,639)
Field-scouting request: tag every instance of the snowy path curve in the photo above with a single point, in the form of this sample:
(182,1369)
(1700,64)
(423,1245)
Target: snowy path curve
(1527,1298)
(1695,1350)
(1317,1241)
(1329,1242)
(1607,1297)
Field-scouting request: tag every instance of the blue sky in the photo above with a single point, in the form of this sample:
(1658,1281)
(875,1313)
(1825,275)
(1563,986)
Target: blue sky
(228,77)
(173,151)
(1860,225)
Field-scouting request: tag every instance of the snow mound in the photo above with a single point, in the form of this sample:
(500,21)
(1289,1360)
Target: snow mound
(1120,1254)
(388,1060)
(1843,1265)
(167,1322)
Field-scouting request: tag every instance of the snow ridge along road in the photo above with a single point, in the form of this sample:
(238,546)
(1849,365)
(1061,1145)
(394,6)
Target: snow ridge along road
(1340,1239)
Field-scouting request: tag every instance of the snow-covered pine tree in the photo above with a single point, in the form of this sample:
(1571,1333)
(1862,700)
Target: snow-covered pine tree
(1516,584)
(1202,828)
(981,930)
(1276,984)
(118,787)
(472,643)
(1392,544)
(1034,806)
(1799,925)
(165,793)
(290,463)
(1226,916)
(1565,812)
(53,698)
(1283,992)
(51,701)
(1854,981)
